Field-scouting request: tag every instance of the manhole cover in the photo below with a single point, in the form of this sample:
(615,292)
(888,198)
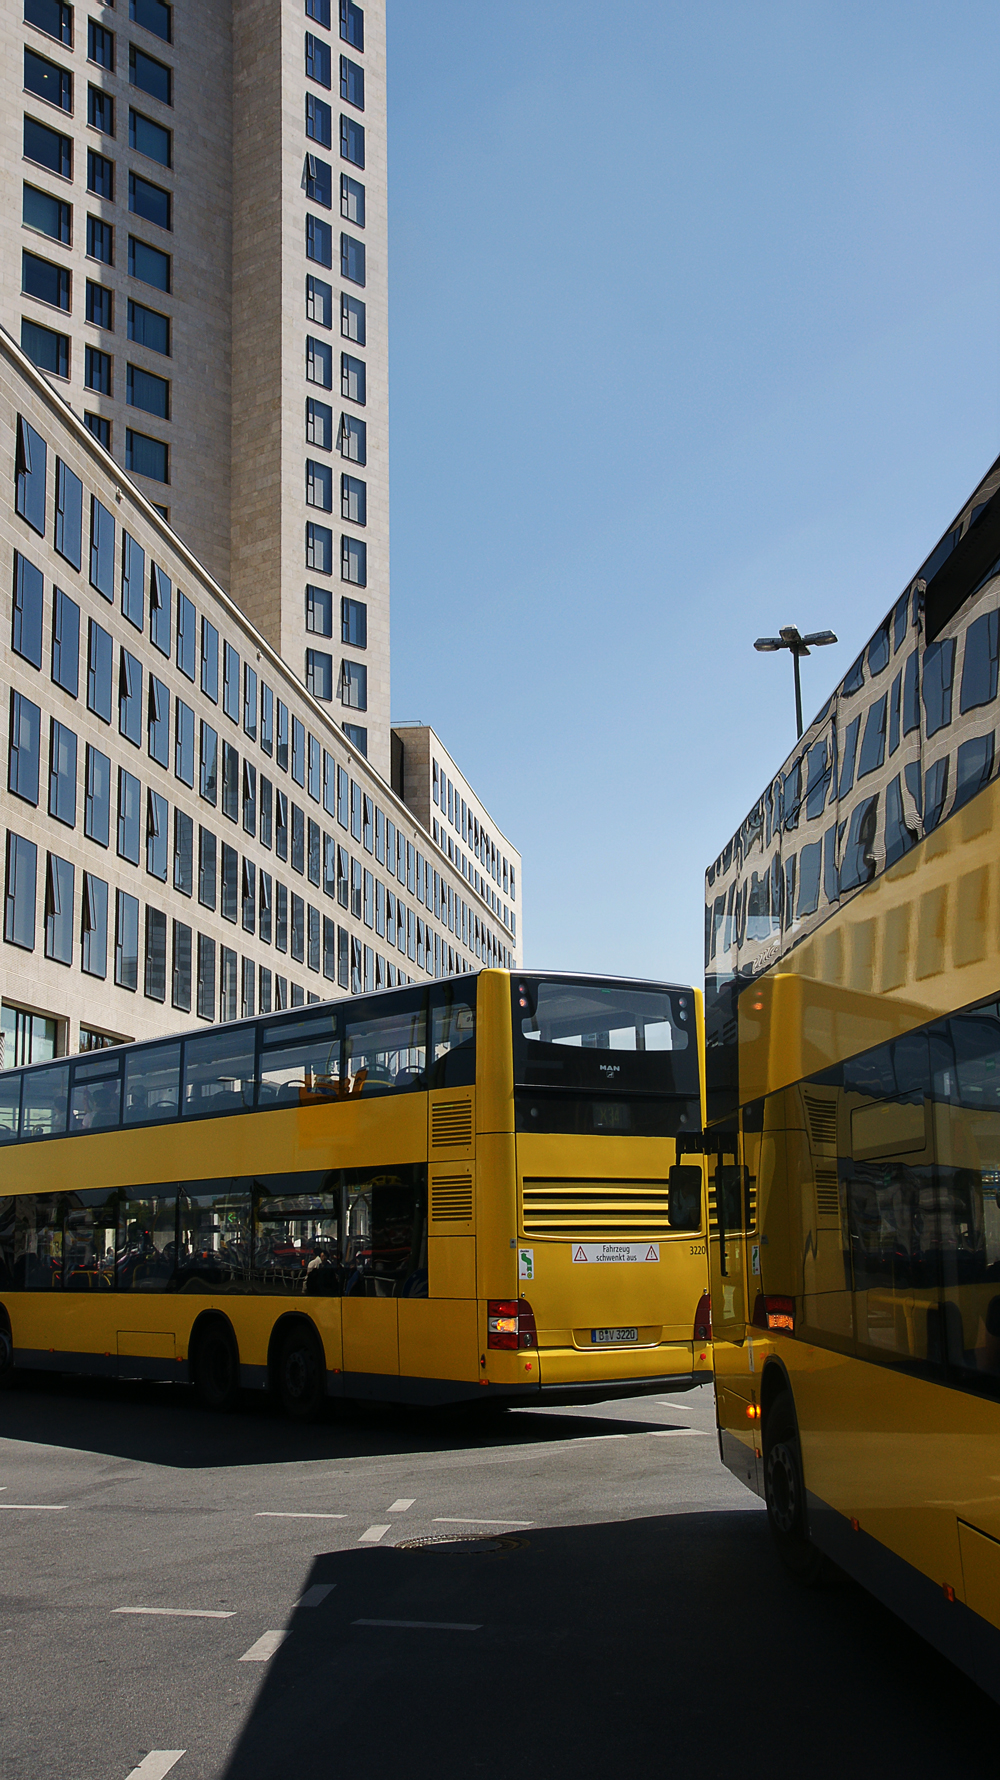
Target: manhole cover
(483,1542)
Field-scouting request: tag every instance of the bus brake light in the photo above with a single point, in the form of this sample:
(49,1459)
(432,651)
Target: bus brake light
(703,1319)
(510,1323)
(773,1312)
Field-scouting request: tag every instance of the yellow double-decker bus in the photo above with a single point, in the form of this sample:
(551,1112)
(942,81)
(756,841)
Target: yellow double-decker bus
(490,1187)
(853,1064)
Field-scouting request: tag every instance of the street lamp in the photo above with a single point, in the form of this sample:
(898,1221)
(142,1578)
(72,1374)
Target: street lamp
(788,638)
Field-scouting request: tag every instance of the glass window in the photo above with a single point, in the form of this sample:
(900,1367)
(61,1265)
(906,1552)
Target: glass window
(300,1060)
(939,674)
(183,854)
(48,80)
(354,685)
(206,868)
(319,301)
(44,1102)
(48,147)
(266,807)
(319,486)
(94,944)
(151,76)
(387,1050)
(153,15)
(250,701)
(26,628)
(230,884)
(353,500)
(48,282)
(100,111)
(319,431)
(126,940)
(48,350)
(352,23)
(319,548)
(352,259)
(65,642)
(352,200)
(319,181)
(100,46)
(24,757)
(59,881)
(62,774)
(149,264)
(352,318)
(186,635)
(873,745)
(219,1072)
(297,1235)
(10,1114)
(319,120)
(352,141)
(130,698)
(155,982)
(266,718)
(206,977)
(146,457)
(128,816)
(147,327)
(319,611)
(979,662)
(559,1025)
(354,561)
(149,139)
(143,389)
(100,175)
(214,1253)
(184,743)
(96,1097)
(352,83)
(319,362)
(319,241)
(100,305)
(46,215)
(319,674)
(30,491)
(97,804)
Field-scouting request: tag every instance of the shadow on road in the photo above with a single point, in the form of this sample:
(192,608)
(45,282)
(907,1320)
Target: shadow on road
(660,1647)
(165,1425)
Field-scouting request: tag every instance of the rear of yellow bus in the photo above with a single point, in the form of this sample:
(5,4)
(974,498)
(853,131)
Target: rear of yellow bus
(592,1250)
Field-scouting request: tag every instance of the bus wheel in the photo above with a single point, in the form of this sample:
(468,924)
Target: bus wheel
(217,1368)
(785,1495)
(301,1375)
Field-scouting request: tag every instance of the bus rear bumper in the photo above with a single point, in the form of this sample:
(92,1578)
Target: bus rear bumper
(606,1390)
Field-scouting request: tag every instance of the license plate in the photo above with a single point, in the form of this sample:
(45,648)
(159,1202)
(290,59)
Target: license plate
(606,1337)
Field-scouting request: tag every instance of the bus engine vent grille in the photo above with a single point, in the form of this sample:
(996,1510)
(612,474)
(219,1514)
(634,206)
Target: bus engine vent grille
(451,1123)
(618,1209)
(822,1116)
(827,1193)
(451,1198)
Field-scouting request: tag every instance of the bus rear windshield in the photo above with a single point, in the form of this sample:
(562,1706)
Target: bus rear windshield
(595,1036)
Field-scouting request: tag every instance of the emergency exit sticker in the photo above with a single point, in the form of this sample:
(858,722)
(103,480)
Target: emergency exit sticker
(616,1251)
(525,1263)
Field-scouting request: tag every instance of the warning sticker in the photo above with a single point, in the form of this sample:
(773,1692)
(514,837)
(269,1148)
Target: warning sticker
(616,1251)
(525,1263)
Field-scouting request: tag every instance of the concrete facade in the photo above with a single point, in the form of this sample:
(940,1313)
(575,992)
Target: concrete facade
(223,149)
(349,892)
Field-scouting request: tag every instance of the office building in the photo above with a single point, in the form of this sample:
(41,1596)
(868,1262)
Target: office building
(194,261)
(188,835)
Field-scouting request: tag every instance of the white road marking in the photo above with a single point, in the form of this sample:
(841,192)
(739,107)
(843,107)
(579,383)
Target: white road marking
(421,1625)
(37,1507)
(457,1520)
(264,1648)
(157,1763)
(401,1504)
(373,1534)
(666,1433)
(291,1514)
(313,1596)
(180,1612)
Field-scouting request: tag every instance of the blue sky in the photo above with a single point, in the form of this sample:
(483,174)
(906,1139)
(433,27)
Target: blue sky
(693,334)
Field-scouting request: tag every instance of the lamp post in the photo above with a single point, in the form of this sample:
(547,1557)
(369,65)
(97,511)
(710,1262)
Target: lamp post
(788,637)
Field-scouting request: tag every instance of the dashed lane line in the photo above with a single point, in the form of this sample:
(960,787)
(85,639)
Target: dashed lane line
(372,1535)
(421,1625)
(265,1647)
(290,1514)
(36,1507)
(313,1596)
(157,1763)
(401,1504)
(458,1520)
(180,1613)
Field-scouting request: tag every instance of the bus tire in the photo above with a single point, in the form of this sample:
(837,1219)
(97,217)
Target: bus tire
(785,1495)
(216,1367)
(301,1374)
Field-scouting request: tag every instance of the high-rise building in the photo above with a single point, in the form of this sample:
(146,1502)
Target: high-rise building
(194,248)
(206,809)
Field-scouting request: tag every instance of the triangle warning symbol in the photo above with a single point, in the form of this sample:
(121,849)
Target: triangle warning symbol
(579,1255)
(651,1254)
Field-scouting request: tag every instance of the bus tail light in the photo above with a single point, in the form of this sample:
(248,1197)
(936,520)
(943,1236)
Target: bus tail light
(771,1312)
(510,1323)
(501,1322)
(703,1319)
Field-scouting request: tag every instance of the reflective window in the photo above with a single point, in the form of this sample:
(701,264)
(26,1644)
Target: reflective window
(214,1227)
(297,1235)
(46,1092)
(219,1072)
(152,1083)
(97,1094)
(386,1051)
(147,1239)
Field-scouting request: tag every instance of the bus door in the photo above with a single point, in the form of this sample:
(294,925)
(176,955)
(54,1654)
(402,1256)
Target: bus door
(731,1219)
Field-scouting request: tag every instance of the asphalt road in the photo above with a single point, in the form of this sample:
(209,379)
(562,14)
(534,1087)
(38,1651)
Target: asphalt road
(264,1599)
